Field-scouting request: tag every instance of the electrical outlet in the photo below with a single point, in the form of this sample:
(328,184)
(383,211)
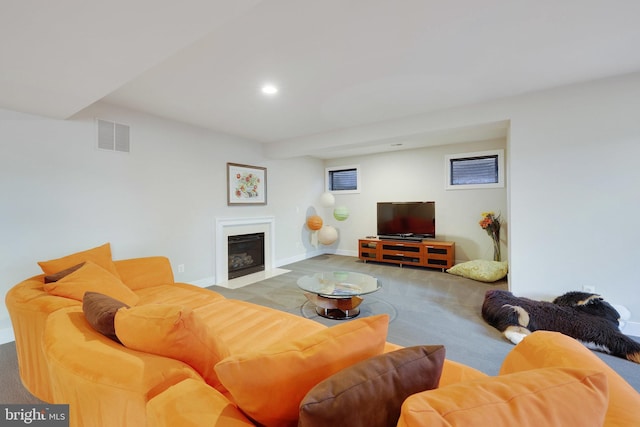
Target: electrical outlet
(589,288)
(180,268)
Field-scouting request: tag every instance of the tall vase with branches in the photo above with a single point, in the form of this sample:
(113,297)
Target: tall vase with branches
(490,222)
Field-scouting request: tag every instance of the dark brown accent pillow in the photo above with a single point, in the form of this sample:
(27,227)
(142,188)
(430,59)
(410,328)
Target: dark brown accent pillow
(100,311)
(370,393)
(50,278)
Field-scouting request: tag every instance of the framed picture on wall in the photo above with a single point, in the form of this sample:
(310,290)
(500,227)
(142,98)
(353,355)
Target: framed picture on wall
(246,185)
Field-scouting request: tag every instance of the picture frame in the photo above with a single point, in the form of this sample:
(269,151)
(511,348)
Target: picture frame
(246,184)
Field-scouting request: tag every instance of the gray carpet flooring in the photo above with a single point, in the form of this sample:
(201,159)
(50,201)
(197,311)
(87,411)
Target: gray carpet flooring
(425,307)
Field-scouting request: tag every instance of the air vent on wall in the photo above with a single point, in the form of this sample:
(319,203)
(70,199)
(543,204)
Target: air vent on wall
(113,136)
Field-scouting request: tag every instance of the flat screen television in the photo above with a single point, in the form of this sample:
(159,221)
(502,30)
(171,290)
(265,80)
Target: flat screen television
(406,220)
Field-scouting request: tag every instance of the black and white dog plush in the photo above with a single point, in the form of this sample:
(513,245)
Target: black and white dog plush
(584,316)
(590,303)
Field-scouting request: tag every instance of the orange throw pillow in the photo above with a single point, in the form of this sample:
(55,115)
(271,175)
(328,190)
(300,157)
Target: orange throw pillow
(100,255)
(550,397)
(269,385)
(91,277)
(172,331)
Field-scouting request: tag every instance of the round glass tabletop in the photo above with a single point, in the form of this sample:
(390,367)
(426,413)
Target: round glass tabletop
(339,284)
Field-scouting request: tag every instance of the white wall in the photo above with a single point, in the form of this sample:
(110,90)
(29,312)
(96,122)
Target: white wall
(574,191)
(60,194)
(573,201)
(420,175)
(572,195)
(573,188)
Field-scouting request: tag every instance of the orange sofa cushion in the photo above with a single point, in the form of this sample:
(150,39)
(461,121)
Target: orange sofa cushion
(172,331)
(106,383)
(377,387)
(269,385)
(545,348)
(454,372)
(100,255)
(91,277)
(550,397)
(145,272)
(192,403)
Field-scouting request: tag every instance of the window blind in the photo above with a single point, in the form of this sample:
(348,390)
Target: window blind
(345,179)
(474,170)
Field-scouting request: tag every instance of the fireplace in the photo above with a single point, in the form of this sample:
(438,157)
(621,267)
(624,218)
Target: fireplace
(245,254)
(237,226)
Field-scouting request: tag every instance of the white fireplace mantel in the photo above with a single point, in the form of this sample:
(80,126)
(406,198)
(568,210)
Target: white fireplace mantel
(226,227)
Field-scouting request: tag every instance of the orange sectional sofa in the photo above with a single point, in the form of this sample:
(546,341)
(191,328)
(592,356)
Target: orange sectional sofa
(180,355)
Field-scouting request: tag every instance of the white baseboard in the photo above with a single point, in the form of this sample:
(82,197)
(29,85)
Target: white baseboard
(204,283)
(210,281)
(300,257)
(6,335)
(632,328)
(344,252)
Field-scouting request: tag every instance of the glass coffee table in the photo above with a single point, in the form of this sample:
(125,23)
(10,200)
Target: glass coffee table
(337,294)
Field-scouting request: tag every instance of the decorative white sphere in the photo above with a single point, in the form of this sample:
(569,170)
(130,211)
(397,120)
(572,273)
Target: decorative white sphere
(327,235)
(327,200)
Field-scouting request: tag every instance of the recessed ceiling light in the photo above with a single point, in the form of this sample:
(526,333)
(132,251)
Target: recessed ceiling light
(269,89)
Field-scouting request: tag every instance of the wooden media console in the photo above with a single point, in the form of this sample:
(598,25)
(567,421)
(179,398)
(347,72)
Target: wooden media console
(427,253)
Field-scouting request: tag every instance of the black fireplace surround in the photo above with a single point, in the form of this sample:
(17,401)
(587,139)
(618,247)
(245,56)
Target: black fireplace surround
(246,254)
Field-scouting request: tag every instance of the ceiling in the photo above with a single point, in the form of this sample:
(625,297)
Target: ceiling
(338,64)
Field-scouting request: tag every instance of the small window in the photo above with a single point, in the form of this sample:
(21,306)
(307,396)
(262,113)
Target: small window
(475,170)
(343,179)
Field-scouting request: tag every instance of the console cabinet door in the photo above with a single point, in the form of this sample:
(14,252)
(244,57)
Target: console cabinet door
(434,254)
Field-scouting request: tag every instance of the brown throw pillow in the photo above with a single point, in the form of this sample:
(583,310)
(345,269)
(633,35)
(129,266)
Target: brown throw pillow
(100,311)
(60,274)
(370,393)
